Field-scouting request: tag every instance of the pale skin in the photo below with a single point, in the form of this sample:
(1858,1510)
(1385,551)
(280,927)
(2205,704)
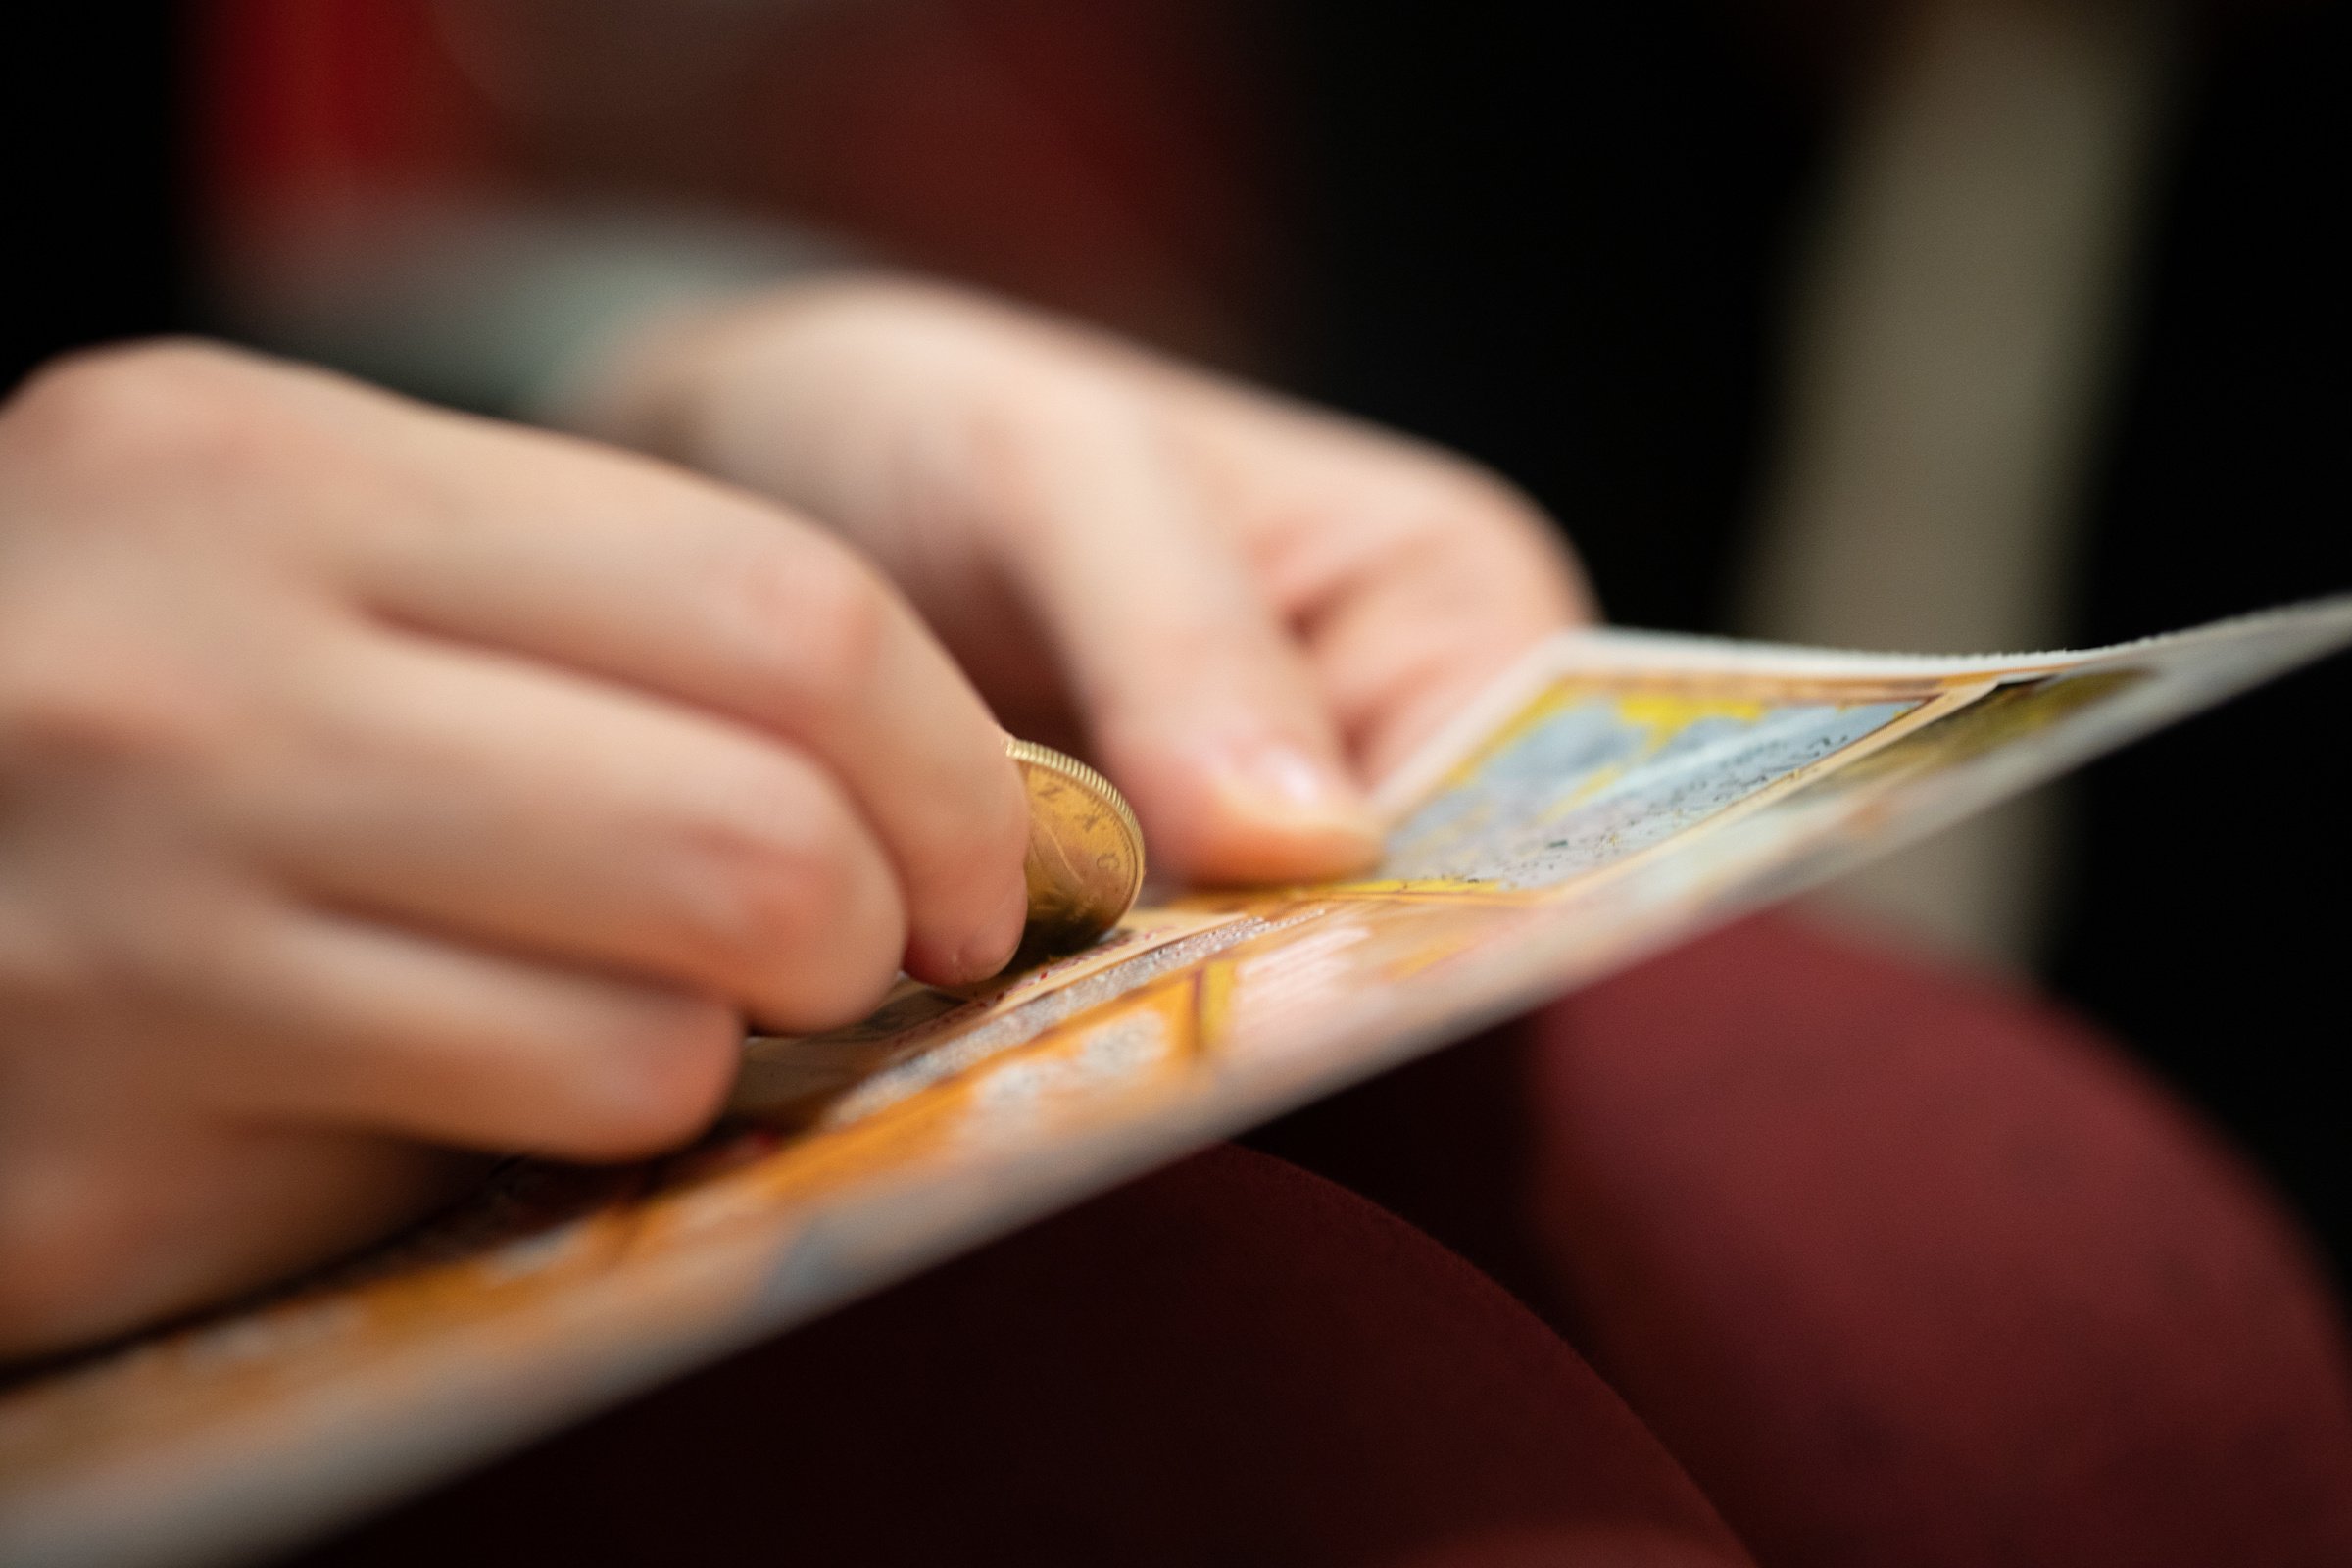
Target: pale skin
(381,789)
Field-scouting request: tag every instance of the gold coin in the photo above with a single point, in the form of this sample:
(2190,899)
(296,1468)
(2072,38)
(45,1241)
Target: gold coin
(1085,853)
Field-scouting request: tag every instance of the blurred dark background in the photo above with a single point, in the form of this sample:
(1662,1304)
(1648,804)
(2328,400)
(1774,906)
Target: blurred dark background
(1560,239)
(1563,240)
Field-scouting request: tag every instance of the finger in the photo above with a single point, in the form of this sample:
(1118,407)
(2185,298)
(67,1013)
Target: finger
(1416,577)
(525,807)
(1196,698)
(617,566)
(322,1019)
(106,1233)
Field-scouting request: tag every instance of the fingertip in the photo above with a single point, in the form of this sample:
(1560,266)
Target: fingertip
(970,937)
(1268,812)
(1269,853)
(981,954)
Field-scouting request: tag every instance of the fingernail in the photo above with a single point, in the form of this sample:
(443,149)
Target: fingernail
(992,948)
(1280,779)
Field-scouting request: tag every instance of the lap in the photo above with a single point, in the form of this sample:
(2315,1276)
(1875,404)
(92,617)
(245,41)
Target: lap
(1900,1267)
(1231,1361)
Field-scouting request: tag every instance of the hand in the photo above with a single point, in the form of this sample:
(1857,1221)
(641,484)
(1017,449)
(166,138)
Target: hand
(1248,607)
(374,779)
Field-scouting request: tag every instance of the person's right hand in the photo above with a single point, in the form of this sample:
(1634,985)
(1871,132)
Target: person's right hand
(376,781)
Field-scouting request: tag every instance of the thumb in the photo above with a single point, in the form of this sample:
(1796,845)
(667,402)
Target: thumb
(1201,705)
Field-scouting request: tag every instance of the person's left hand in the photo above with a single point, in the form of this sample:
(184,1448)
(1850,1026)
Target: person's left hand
(1246,608)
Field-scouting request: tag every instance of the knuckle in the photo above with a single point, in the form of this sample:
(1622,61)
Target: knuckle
(128,409)
(761,885)
(1023,422)
(835,615)
(83,693)
(1456,489)
(653,1081)
(938,331)
(774,875)
(1463,531)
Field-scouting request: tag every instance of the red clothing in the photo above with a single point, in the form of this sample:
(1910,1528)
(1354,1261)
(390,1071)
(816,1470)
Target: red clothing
(1887,1266)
